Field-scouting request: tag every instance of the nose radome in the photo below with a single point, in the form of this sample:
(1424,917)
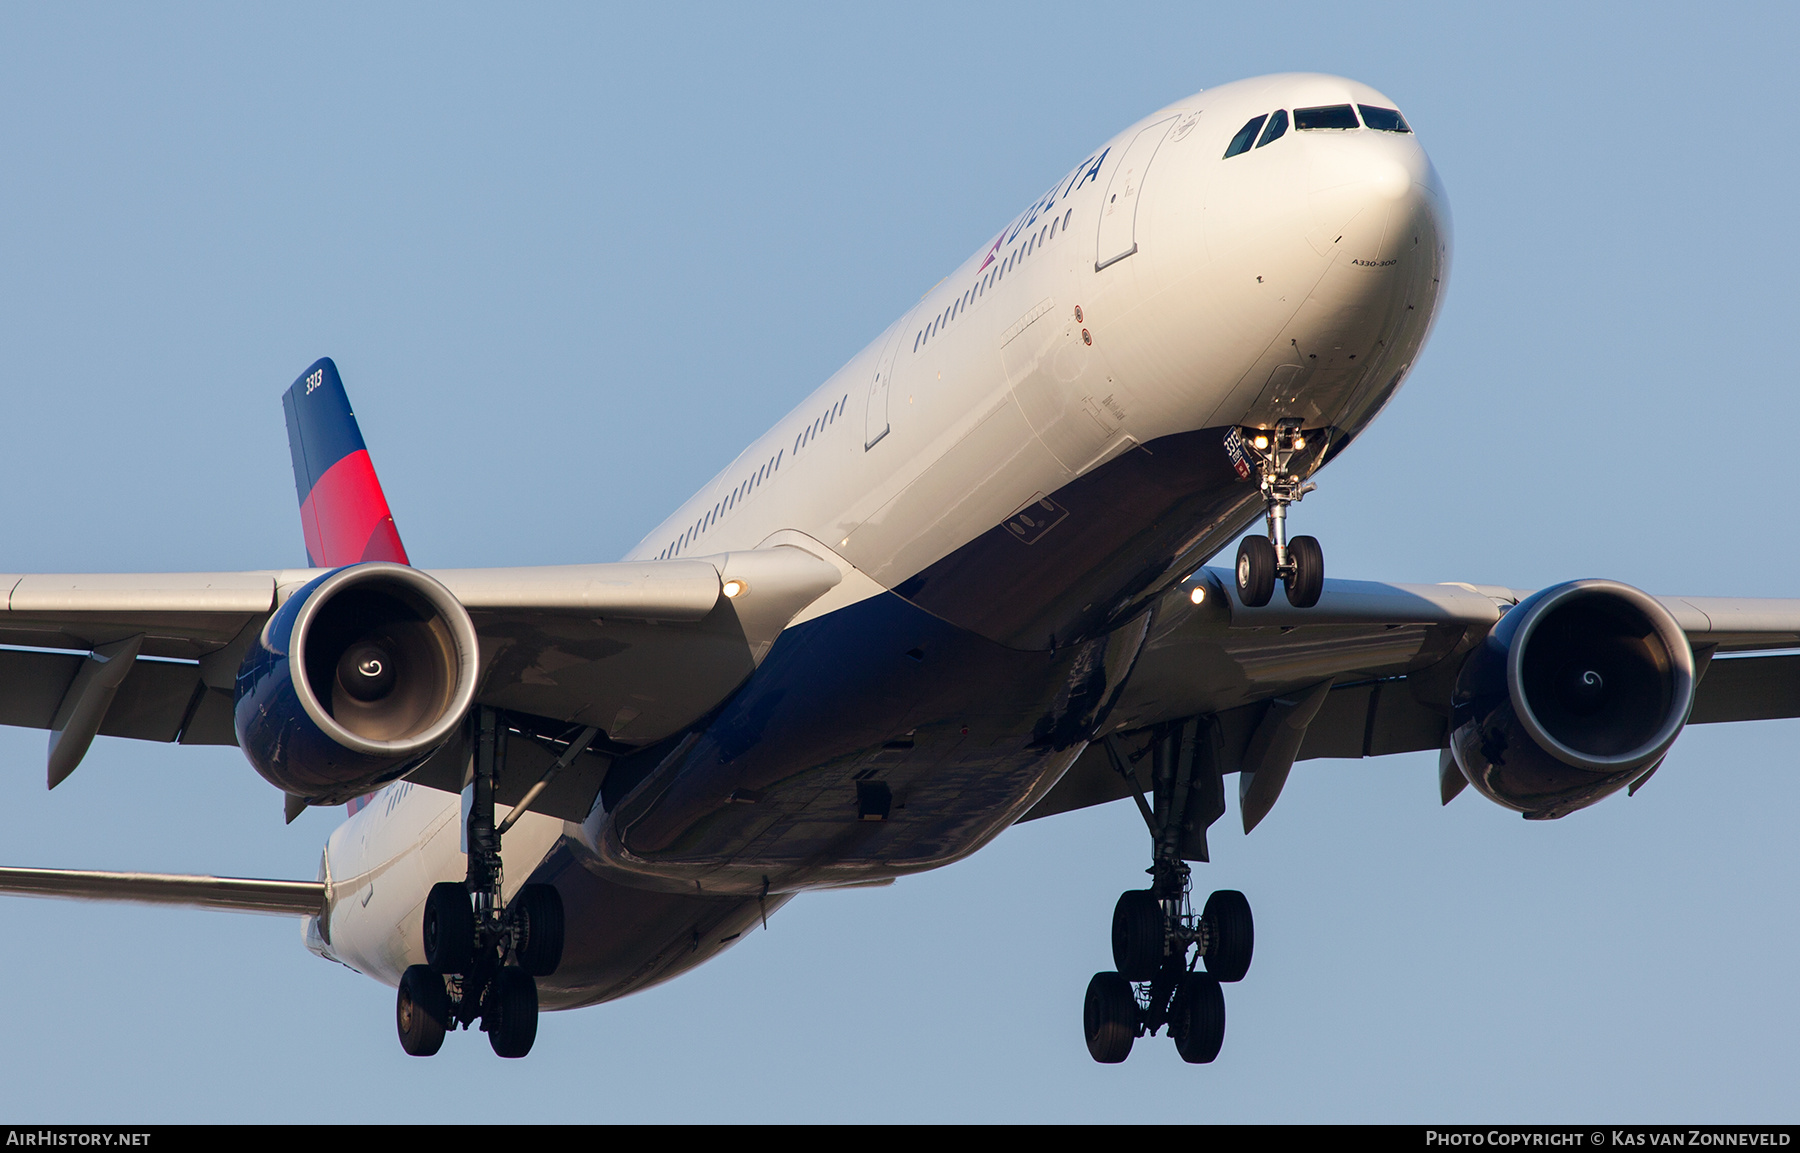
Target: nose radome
(1356,181)
(1389,180)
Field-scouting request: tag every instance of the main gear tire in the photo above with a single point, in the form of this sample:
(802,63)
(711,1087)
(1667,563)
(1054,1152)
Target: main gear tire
(539,913)
(421,1011)
(1110,1018)
(511,1013)
(449,928)
(1137,935)
(1232,936)
(1197,1018)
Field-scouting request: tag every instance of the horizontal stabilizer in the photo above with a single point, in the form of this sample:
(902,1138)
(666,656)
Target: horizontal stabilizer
(236,894)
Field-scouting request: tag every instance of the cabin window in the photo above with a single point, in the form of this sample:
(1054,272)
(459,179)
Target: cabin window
(1066,215)
(1383,119)
(1276,130)
(1053,225)
(1330,116)
(1246,136)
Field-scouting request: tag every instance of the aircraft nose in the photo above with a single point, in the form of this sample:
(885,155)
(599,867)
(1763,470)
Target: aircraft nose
(1367,188)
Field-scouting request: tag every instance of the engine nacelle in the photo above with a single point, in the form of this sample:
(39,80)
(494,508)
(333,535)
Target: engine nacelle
(1578,690)
(356,678)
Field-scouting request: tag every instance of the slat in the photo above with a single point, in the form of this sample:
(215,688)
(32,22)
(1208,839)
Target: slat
(683,590)
(1347,602)
(52,594)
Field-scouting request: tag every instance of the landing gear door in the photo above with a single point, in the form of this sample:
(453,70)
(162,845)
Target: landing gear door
(875,424)
(1118,212)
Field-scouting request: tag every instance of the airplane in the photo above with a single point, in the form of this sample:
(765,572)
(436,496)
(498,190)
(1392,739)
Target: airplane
(963,584)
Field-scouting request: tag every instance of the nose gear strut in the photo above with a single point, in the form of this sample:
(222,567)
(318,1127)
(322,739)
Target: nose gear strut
(1300,563)
(1157,982)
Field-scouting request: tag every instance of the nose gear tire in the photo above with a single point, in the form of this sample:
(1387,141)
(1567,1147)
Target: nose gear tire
(1306,581)
(1255,571)
(1110,1018)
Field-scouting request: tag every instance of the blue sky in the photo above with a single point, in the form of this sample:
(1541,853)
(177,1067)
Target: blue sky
(569,259)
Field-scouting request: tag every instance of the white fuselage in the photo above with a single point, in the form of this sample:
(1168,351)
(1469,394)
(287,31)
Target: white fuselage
(1157,289)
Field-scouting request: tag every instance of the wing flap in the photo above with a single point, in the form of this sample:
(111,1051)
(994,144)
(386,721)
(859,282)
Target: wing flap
(32,685)
(153,701)
(1748,689)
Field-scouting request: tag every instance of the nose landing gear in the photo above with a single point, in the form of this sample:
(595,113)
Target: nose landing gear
(482,956)
(1300,563)
(1158,942)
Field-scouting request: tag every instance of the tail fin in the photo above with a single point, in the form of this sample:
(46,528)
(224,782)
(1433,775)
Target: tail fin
(343,511)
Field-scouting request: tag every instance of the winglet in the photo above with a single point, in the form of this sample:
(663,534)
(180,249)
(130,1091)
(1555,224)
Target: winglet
(343,511)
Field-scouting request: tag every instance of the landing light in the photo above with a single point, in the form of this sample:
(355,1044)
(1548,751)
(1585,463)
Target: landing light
(1299,442)
(1261,442)
(1198,596)
(733,588)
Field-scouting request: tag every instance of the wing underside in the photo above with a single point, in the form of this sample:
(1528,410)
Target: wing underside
(1389,654)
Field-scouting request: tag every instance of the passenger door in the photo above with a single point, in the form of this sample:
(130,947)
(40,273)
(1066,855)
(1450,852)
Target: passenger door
(875,421)
(1118,212)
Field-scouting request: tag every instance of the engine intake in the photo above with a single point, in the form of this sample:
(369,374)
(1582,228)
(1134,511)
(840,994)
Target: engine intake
(1580,689)
(386,658)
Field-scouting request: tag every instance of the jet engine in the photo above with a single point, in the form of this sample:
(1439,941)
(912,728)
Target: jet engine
(1577,691)
(355,679)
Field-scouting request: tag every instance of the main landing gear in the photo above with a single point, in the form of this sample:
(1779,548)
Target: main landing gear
(1298,563)
(1158,942)
(481,957)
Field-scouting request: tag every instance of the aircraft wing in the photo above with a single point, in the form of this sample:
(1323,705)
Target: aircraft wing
(1372,667)
(636,650)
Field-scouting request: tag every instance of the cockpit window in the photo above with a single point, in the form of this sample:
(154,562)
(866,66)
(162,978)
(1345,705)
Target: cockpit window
(1330,116)
(1277,126)
(1383,119)
(1245,137)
